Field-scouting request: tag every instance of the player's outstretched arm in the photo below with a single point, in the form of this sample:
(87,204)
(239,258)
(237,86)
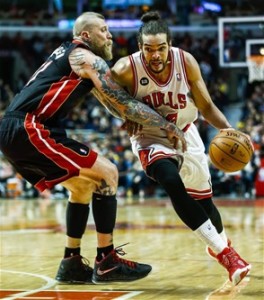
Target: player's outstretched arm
(201,95)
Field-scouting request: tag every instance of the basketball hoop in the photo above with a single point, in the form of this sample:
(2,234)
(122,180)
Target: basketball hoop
(255,65)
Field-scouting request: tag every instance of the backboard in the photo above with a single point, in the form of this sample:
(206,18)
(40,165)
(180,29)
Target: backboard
(238,38)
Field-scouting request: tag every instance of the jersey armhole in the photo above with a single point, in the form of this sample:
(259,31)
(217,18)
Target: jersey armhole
(135,77)
(184,67)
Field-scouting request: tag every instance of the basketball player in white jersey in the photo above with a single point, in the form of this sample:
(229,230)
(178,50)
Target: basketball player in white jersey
(169,80)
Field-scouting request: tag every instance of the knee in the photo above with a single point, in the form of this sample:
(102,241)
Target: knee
(112,174)
(109,179)
(106,178)
(81,194)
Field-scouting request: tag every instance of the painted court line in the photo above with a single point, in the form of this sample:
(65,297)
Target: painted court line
(49,283)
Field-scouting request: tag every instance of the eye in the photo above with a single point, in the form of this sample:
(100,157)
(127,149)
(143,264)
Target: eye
(162,49)
(148,49)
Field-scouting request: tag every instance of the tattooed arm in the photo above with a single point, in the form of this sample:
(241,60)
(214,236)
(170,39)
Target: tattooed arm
(105,103)
(87,65)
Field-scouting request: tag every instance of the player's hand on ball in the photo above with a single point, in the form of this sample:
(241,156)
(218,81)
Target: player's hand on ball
(243,133)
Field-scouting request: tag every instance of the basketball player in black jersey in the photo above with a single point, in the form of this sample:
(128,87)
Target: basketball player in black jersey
(33,142)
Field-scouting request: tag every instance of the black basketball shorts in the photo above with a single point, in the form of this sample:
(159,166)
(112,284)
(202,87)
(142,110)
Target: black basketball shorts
(44,156)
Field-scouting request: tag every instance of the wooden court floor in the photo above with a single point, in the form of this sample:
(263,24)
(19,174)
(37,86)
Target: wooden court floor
(32,244)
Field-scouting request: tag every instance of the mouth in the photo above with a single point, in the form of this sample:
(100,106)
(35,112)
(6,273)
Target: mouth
(156,63)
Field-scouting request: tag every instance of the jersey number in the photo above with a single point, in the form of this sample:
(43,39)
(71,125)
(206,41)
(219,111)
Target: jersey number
(172,118)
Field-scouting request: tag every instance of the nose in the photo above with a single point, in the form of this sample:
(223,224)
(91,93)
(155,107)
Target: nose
(156,55)
(109,35)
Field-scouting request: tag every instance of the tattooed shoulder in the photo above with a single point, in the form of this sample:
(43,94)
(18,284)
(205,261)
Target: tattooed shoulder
(77,57)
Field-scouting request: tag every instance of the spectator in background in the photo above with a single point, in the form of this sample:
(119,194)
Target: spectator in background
(6,96)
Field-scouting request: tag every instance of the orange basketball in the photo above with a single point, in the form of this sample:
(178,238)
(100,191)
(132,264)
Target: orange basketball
(230,150)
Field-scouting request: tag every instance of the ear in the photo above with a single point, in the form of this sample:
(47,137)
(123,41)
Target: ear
(139,46)
(85,35)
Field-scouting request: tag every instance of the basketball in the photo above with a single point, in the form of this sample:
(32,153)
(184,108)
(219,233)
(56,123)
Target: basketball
(230,150)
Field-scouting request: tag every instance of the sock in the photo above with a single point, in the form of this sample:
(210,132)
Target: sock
(208,234)
(68,252)
(223,236)
(103,252)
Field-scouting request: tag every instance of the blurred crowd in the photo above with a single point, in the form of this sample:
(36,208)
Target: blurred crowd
(180,12)
(92,124)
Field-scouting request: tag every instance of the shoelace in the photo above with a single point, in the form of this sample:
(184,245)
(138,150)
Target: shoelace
(231,258)
(119,250)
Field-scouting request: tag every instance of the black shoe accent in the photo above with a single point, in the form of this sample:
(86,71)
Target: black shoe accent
(113,268)
(74,270)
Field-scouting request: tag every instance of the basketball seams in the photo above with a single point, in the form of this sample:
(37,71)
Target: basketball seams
(233,157)
(230,151)
(217,165)
(230,138)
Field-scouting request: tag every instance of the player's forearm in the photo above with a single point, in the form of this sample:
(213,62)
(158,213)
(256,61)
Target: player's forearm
(128,107)
(216,118)
(104,102)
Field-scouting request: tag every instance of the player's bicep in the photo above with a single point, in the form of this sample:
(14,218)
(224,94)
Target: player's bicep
(198,87)
(78,60)
(87,65)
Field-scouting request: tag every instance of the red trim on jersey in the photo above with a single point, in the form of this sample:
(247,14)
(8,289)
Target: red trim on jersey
(146,157)
(80,43)
(184,67)
(64,157)
(135,78)
(55,97)
(152,76)
(186,127)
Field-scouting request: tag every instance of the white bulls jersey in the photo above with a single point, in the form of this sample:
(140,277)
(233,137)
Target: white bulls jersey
(172,100)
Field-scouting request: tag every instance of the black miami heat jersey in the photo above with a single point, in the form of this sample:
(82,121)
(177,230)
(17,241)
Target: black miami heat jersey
(31,137)
(54,89)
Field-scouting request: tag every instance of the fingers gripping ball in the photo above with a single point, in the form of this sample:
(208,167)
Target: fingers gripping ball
(230,150)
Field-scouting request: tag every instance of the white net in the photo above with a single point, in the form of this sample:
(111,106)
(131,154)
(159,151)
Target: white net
(255,65)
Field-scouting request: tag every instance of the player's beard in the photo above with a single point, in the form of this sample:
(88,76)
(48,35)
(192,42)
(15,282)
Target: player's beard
(104,51)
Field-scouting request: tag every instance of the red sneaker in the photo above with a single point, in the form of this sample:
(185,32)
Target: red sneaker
(234,264)
(211,253)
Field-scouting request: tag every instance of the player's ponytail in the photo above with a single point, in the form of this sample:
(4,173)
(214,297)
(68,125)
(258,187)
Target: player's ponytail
(152,24)
(150,16)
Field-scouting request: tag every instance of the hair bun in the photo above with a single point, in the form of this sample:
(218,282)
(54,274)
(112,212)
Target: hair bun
(150,16)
